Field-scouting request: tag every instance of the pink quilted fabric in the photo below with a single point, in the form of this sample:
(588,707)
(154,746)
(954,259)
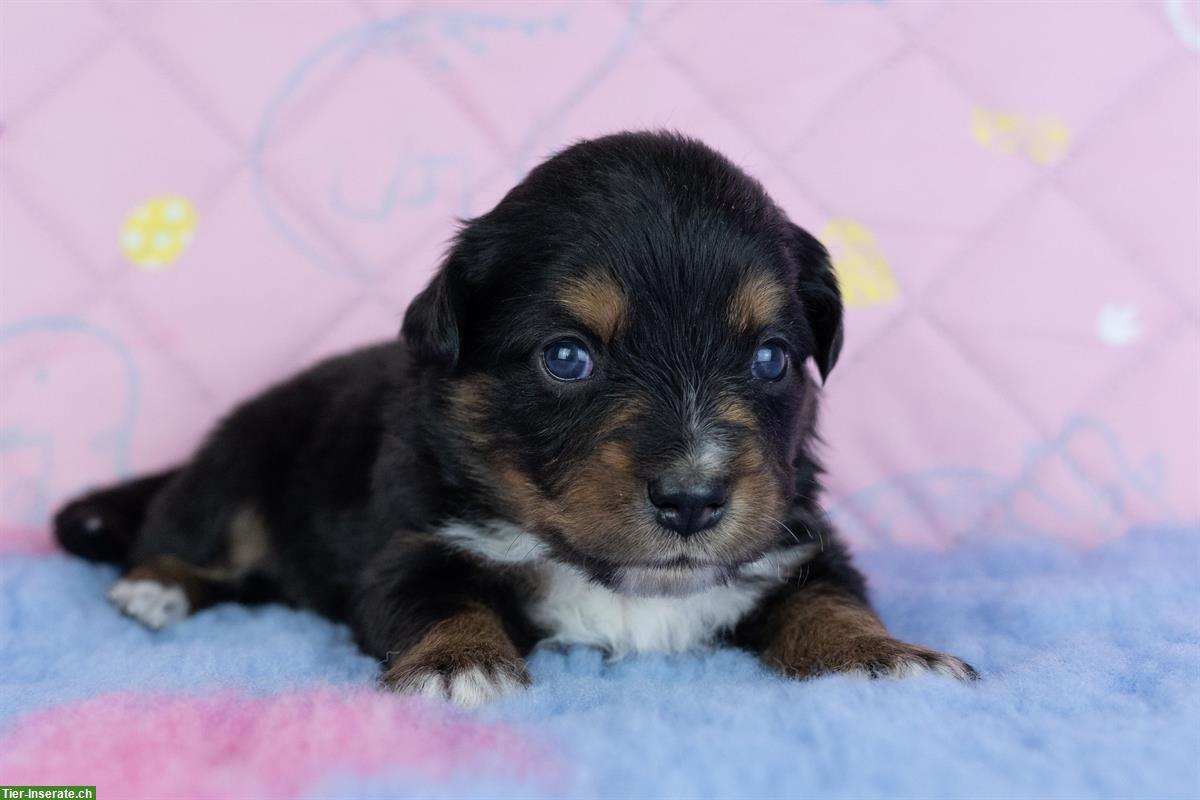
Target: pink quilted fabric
(197,198)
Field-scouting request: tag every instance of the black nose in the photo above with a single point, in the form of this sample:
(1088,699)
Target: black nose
(688,508)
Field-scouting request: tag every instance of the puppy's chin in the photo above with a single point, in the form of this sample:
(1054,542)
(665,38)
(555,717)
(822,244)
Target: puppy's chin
(666,581)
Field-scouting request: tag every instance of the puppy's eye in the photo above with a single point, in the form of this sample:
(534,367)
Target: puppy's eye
(770,362)
(567,360)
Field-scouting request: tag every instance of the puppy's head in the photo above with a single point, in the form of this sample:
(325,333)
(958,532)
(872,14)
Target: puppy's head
(622,346)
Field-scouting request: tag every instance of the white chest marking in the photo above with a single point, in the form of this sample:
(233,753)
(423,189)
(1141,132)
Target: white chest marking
(577,611)
(495,541)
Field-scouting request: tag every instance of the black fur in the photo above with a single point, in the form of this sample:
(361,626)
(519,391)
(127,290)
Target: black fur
(416,580)
(353,466)
(103,525)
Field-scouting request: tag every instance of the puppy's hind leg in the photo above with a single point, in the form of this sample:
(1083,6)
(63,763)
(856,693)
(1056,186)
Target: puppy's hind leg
(203,539)
(162,591)
(192,555)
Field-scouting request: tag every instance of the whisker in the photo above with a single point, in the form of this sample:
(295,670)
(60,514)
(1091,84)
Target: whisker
(820,539)
(786,528)
(513,543)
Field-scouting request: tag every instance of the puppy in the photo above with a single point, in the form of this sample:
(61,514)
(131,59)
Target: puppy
(597,428)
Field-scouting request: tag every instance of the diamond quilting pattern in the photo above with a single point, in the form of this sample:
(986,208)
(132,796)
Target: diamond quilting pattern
(1012,188)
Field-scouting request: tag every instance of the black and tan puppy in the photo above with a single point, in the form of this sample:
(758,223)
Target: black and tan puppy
(597,428)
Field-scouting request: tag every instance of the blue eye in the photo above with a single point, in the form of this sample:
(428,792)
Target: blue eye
(567,360)
(770,362)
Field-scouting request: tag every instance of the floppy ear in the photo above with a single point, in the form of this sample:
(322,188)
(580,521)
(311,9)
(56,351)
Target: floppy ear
(820,296)
(431,323)
(436,321)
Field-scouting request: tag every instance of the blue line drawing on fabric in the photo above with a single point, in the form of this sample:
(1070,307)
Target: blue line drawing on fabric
(968,502)
(446,33)
(544,127)
(420,174)
(1186,29)
(31,500)
(27,501)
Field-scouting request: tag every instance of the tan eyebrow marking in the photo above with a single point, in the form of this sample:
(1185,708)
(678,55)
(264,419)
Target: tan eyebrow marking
(735,412)
(597,302)
(757,302)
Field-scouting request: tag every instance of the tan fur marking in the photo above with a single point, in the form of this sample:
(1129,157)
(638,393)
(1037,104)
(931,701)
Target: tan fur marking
(468,409)
(249,542)
(597,503)
(173,571)
(523,498)
(467,399)
(816,632)
(757,302)
(467,403)
(598,303)
(619,419)
(735,412)
(474,638)
(757,506)
(592,512)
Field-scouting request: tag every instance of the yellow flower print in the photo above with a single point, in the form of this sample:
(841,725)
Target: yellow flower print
(157,232)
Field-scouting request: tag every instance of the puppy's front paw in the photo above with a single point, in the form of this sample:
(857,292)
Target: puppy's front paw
(876,657)
(466,686)
(467,659)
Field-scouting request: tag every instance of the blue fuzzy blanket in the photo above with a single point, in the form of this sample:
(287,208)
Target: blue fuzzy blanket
(1090,688)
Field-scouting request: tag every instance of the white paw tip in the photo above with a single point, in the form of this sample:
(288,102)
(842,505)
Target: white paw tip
(467,688)
(953,668)
(941,665)
(149,602)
